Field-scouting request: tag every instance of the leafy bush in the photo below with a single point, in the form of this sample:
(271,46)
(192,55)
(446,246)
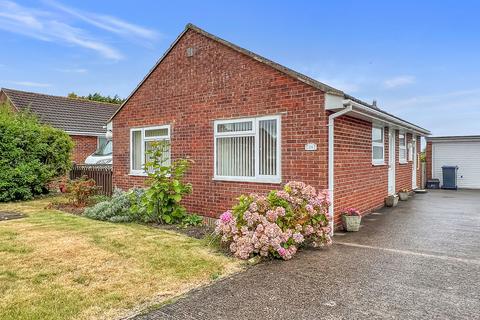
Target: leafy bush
(32,155)
(192,220)
(80,191)
(118,208)
(278,224)
(166,189)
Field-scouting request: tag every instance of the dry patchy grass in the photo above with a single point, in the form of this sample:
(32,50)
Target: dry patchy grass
(60,266)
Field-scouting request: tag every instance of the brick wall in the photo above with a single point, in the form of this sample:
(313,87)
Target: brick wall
(428,159)
(403,171)
(84,146)
(358,183)
(189,93)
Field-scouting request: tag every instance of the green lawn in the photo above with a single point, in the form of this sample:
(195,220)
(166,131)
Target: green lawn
(55,265)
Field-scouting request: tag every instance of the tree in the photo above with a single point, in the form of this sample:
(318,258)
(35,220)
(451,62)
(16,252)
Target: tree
(98,97)
(31,154)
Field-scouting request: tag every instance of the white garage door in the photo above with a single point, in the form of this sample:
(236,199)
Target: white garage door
(465,155)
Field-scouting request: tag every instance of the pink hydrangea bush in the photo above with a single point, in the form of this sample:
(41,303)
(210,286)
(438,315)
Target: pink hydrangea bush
(277,224)
(351,212)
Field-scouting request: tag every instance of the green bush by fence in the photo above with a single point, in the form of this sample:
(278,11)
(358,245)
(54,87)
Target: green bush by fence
(31,154)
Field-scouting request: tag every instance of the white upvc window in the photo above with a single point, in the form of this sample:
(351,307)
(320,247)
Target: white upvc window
(402,147)
(410,150)
(378,145)
(141,141)
(248,149)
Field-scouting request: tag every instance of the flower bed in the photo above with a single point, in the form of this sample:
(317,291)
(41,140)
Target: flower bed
(278,224)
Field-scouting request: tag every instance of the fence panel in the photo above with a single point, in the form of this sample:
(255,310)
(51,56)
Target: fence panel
(424,174)
(102,174)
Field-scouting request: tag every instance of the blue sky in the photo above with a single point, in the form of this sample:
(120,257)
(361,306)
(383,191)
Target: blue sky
(419,59)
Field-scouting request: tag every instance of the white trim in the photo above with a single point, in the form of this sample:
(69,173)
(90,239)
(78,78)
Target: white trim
(402,147)
(384,117)
(141,172)
(391,179)
(80,133)
(378,162)
(414,163)
(255,133)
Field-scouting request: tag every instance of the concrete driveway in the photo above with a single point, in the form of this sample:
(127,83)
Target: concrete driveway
(420,260)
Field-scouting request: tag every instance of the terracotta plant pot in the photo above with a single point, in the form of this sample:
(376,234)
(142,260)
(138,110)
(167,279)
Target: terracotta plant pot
(403,196)
(391,201)
(351,223)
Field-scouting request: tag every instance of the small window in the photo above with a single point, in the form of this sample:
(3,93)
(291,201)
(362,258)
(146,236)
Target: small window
(141,141)
(248,149)
(402,147)
(378,145)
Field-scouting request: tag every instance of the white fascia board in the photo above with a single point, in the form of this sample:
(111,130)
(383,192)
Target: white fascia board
(333,102)
(91,134)
(383,117)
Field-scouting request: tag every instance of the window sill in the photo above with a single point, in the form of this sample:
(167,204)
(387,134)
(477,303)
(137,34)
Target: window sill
(403,162)
(249,180)
(137,174)
(378,164)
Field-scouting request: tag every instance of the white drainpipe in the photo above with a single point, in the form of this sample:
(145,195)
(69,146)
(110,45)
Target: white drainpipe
(331,162)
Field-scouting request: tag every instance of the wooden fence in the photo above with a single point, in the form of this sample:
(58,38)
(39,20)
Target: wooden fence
(102,174)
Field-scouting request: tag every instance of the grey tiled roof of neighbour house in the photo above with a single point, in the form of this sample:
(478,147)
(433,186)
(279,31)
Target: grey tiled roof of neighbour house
(69,114)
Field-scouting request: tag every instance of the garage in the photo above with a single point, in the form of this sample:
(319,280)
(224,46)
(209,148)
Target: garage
(460,151)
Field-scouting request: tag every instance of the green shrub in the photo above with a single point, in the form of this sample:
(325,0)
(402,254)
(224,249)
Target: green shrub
(31,155)
(81,190)
(161,200)
(192,220)
(118,208)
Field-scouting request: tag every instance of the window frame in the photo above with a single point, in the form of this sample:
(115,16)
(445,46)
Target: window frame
(256,134)
(142,172)
(404,147)
(378,162)
(98,141)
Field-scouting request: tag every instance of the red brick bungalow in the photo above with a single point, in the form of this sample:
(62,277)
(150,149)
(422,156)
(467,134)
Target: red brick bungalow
(251,125)
(83,120)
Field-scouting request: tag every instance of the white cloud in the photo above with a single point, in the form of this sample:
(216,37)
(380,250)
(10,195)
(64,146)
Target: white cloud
(399,81)
(457,97)
(52,26)
(73,70)
(107,22)
(30,84)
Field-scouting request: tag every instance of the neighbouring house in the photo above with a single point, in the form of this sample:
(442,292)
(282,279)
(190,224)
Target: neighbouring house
(250,125)
(84,120)
(460,151)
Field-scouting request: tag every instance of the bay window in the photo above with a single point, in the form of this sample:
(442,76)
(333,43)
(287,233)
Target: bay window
(248,149)
(378,145)
(141,141)
(402,147)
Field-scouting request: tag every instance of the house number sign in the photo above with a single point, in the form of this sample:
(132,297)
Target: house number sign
(311,147)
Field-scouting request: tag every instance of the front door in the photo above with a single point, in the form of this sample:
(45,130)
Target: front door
(391,161)
(414,165)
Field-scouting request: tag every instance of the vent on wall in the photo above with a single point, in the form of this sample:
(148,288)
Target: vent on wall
(190,52)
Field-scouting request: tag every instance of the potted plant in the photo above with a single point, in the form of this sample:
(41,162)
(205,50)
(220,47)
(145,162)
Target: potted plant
(403,194)
(351,219)
(391,201)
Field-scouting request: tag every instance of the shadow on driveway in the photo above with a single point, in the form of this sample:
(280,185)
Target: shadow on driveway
(420,260)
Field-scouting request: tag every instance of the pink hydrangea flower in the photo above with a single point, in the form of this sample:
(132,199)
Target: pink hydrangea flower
(226,216)
(298,237)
